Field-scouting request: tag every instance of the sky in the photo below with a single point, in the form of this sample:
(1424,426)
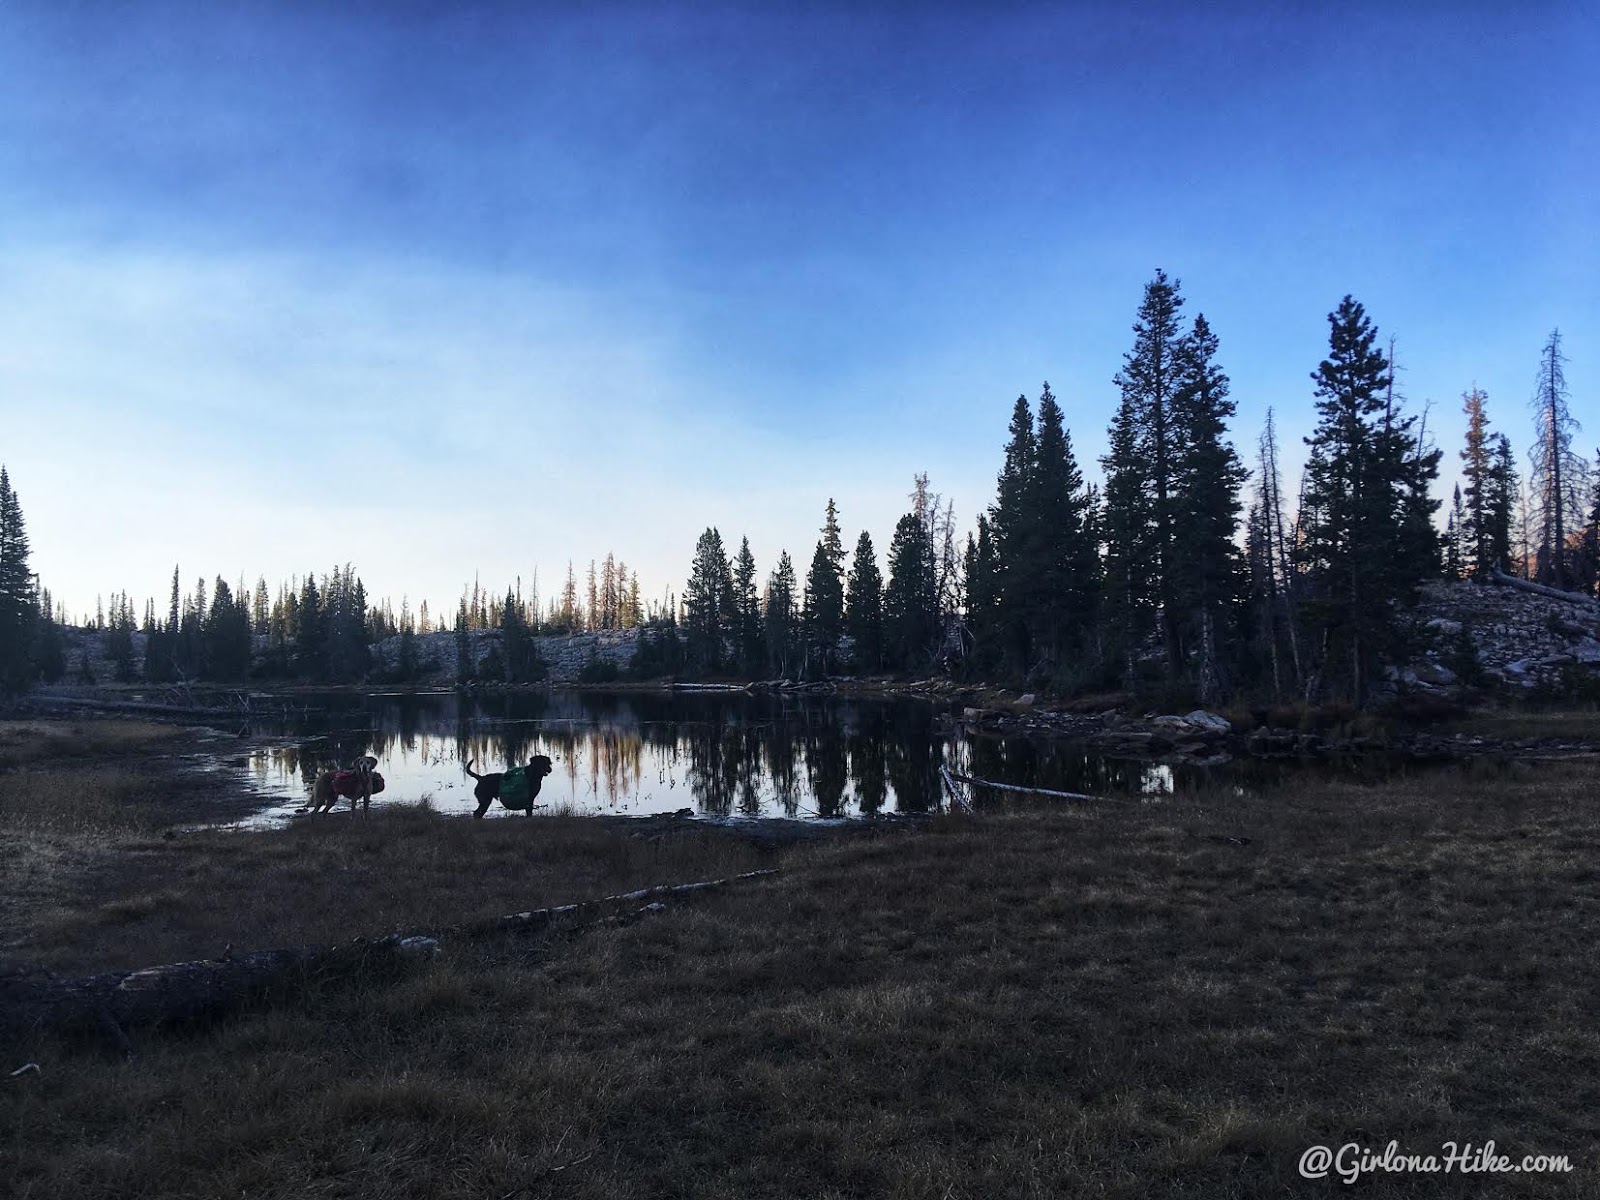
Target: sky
(472,290)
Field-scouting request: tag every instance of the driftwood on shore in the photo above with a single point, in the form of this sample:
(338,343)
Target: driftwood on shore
(111,1003)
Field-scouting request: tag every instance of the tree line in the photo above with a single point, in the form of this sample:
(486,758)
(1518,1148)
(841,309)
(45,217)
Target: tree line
(1169,578)
(1185,573)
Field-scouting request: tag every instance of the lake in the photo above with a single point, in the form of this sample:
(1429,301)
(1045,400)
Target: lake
(716,753)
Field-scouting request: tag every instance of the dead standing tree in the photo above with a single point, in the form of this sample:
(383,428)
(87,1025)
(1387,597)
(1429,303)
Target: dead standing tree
(1556,475)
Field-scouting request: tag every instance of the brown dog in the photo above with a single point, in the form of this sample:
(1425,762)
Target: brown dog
(358,784)
(488,789)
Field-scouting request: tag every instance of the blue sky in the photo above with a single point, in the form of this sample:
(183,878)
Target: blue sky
(475,289)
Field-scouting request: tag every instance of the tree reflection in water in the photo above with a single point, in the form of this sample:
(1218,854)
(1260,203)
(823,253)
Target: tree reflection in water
(720,753)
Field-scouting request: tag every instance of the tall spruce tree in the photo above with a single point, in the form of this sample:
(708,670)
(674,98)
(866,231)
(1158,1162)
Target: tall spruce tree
(824,598)
(1205,499)
(1126,578)
(782,624)
(708,607)
(747,604)
(1059,573)
(1365,493)
(1457,547)
(311,634)
(863,611)
(1476,552)
(226,653)
(1150,379)
(909,616)
(119,638)
(19,600)
(1500,507)
(1280,577)
(1012,528)
(983,594)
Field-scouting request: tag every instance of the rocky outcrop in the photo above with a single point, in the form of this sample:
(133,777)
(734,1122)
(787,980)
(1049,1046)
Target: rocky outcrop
(564,657)
(1500,636)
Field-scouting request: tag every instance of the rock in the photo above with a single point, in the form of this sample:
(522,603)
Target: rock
(1435,675)
(1587,651)
(1209,720)
(1027,700)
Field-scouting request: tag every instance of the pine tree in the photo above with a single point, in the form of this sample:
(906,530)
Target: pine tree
(909,618)
(1556,471)
(1127,583)
(1500,507)
(1276,568)
(19,600)
(569,601)
(592,608)
(780,617)
(1419,547)
(708,604)
(1058,573)
(863,613)
(119,638)
(50,653)
(1012,530)
(1476,554)
(1150,379)
(517,647)
(983,592)
(1457,544)
(466,668)
(1207,477)
(226,653)
(824,599)
(311,637)
(751,638)
(1367,520)
(1591,535)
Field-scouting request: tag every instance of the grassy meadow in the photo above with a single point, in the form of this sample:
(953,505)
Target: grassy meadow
(1116,999)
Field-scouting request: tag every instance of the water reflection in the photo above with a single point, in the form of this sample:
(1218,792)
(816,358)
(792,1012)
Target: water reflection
(717,754)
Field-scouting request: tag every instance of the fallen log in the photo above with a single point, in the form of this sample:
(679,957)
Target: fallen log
(133,707)
(958,799)
(540,918)
(1539,589)
(1011,787)
(33,999)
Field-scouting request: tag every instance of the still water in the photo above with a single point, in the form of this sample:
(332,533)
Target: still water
(717,754)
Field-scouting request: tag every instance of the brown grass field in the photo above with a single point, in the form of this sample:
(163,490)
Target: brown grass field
(1108,1000)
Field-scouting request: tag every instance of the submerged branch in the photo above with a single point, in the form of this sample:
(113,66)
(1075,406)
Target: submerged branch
(1032,791)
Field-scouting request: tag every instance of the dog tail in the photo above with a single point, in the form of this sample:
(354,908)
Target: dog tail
(470,771)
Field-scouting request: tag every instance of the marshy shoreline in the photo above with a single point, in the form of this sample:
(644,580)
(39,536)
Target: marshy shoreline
(1109,999)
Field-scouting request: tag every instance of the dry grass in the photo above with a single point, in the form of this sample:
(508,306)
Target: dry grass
(24,742)
(1112,1002)
(1567,725)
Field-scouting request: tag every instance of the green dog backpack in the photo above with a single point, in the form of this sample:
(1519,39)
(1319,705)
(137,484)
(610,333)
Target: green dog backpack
(514,788)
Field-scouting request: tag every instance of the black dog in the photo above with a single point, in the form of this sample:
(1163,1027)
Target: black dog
(488,789)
